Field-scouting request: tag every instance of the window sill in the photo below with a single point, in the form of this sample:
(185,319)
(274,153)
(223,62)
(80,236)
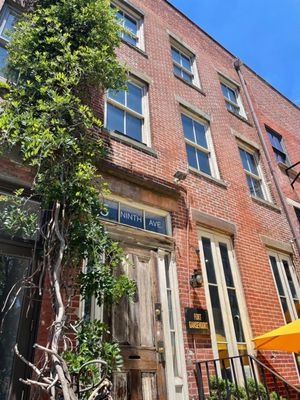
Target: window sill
(209,178)
(240,117)
(142,52)
(266,203)
(118,137)
(190,85)
(284,167)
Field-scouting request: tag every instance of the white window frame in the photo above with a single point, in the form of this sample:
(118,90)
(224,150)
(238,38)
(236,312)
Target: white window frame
(144,116)
(215,239)
(181,48)
(173,382)
(212,159)
(260,177)
(137,17)
(239,105)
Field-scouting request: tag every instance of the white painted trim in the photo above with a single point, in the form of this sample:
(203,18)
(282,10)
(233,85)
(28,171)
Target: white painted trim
(215,239)
(172,381)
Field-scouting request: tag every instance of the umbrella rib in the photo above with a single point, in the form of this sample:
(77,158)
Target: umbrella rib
(267,341)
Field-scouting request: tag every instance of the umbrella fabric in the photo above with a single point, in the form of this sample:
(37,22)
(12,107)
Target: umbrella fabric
(285,338)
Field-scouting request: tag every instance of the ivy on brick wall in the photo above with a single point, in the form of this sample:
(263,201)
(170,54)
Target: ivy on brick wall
(60,49)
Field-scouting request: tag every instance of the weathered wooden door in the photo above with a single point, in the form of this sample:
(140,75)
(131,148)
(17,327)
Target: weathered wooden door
(137,326)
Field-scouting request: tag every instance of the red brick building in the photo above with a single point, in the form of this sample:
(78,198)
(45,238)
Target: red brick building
(201,202)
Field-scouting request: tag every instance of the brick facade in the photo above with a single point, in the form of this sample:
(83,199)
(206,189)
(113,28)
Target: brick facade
(147,175)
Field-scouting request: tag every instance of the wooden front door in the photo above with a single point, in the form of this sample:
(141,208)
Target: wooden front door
(137,326)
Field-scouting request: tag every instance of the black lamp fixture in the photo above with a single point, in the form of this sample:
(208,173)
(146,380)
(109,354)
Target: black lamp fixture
(196,279)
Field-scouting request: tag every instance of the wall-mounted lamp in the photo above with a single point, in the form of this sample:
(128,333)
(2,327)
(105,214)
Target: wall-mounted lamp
(180,176)
(196,279)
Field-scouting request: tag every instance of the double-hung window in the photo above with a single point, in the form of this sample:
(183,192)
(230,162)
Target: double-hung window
(198,145)
(132,22)
(9,17)
(184,63)
(126,111)
(278,146)
(253,173)
(232,97)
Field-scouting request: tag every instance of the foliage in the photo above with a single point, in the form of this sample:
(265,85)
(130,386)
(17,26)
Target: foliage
(219,391)
(61,49)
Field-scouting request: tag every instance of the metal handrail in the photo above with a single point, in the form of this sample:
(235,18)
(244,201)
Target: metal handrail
(229,376)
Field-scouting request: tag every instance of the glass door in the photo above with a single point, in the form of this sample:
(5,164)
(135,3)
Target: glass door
(226,305)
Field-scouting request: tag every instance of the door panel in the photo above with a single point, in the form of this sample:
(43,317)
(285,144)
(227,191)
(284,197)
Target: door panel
(138,331)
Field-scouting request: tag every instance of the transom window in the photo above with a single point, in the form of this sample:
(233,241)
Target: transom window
(132,22)
(198,146)
(277,145)
(126,214)
(8,20)
(182,65)
(125,112)
(251,167)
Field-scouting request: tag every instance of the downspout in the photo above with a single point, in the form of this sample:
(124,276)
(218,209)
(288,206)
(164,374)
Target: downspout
(237,65)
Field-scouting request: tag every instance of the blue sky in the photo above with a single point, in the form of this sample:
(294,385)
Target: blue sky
(265,34)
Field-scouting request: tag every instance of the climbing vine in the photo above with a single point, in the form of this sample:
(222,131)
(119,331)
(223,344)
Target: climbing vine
(59,50)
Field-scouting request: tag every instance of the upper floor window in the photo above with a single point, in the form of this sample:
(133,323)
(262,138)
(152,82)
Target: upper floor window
(278,146)
(9,17)
(126,111)
(253,173)
(232,97)
(184,65)
(132,21)
(198,144)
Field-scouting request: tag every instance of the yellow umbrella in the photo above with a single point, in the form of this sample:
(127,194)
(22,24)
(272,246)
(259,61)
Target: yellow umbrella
(285,338)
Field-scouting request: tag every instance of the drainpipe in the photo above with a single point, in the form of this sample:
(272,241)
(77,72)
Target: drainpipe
(237,65)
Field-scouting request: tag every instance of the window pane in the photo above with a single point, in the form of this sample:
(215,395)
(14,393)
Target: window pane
(174,352)
(251,185)
(3,60)
(12,270)
(134,98)
(131,25)
(171,319)
(191,154)
(286,310)
(175,55)
(111,211)
(200,132)
(280,156)
(131,216)
(133,127)
(115,119)
(156,223)
(177,71)
(258,188)
(290,279)
(276,275)
(226,265)
(236,316)
(203,161)
(188,127)
(118,96)
(276,141)
(209,264)
(251,163)
(186,62)
(217,313)
(244,159)
(129,39)
(8,28)
(224,90)
(187,77)
(231,95)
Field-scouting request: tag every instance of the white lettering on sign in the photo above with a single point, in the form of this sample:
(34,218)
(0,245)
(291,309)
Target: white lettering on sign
(156,224)
(131,217)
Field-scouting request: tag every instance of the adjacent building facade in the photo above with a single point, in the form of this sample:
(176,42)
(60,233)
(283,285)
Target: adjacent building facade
(201,200)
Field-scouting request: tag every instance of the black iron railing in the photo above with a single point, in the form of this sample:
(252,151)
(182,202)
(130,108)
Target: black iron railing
(241,377)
